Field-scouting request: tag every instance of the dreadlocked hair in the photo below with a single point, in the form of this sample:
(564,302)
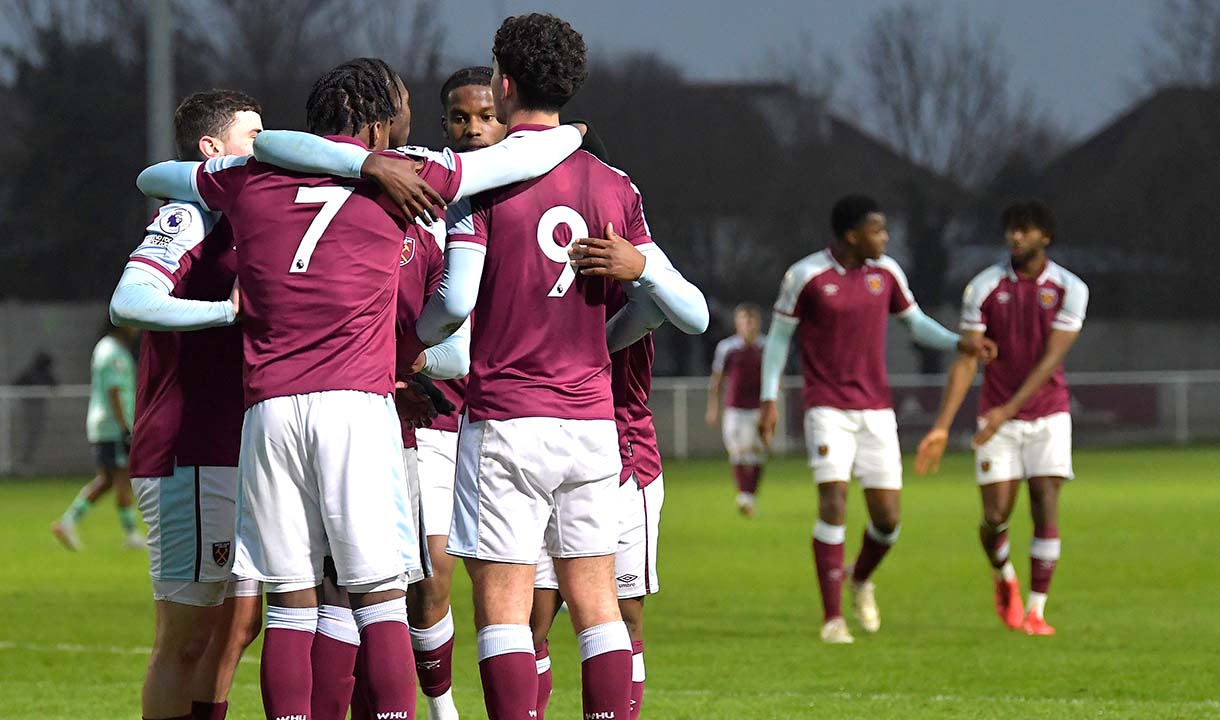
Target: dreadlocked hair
(352,96)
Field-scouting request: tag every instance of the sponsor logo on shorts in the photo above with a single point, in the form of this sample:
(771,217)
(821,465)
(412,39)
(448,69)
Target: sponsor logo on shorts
(985,466)
(175,222)
(823,450)
(1047,297)
(220,552)
(875,283)
(627,579)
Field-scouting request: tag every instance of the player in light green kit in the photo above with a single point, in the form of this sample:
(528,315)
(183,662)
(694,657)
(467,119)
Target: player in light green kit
(112,404)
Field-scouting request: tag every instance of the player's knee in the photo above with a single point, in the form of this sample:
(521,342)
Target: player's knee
(994,518)
(886,523)
(248,632)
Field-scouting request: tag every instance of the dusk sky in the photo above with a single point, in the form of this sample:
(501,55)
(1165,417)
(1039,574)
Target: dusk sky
(1079,57)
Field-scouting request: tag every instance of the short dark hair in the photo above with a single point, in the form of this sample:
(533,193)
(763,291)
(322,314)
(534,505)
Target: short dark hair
(748,307)
(544,56)
(352,96)
(850,211)
(211,112)
(1024,214)
(474,75)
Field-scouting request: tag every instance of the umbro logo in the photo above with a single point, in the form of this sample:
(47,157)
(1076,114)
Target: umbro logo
(830,289)
(627,579)
(1002,297)
(428,664)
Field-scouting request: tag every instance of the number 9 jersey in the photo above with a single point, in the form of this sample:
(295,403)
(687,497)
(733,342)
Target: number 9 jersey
(538,347)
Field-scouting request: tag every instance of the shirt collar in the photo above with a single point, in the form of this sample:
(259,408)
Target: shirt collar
(1042,277)
(834,262)
(528,126)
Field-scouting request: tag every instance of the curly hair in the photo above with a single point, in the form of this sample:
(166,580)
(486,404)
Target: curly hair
(211,112)
(1026,214)
(544,56)
(475,75)
(849,211)
(352,96)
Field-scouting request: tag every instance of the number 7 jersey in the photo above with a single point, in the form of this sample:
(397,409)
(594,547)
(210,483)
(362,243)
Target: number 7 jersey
(538,346)
(318,265)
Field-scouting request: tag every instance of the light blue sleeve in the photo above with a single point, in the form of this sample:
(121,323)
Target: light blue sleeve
(141,300)
(775,354)
(682,303)
(170,180)
(927,332)
(451,358)
(308,153)
(524,155)
(636,319)
(455,298)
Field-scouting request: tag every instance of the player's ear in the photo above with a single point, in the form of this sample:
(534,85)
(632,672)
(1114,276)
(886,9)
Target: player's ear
(210,147)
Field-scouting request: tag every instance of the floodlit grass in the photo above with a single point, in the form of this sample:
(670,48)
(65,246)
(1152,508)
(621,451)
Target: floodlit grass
(734,634)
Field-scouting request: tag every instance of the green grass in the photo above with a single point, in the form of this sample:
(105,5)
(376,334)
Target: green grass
(734,634)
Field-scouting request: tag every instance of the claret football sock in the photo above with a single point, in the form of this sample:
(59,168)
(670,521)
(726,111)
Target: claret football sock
(333,658)
(508,671)
(1043,556)
(542,662)
(433,648)
(385,659)
(828,557)
(876,544)
(285,674)
(637,678)
(209,710)
(994,539)
(605,670)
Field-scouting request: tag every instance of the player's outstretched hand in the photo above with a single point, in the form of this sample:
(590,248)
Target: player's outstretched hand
(931,450)
(414,406)
(439,401)
(768,420)
(992,420)
(980,347)
(407,190)
(612,257)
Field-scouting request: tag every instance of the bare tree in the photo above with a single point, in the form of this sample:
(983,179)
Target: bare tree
(942,95)
(409,35)
(1187,47)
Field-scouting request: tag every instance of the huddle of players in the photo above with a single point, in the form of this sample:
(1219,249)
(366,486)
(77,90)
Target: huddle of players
(1019,317)
(347,293)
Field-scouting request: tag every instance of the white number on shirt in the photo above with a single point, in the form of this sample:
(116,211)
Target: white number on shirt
(332,198)
(552,219)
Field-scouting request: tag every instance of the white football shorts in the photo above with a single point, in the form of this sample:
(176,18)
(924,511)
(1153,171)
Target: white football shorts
(524,481)
(635,558)
(1022,449)
(741,436)
(863,443)
(437,469)
(322,474)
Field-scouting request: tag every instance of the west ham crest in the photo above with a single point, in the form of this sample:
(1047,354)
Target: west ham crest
(408,250)
(1047,297)
(875,283)
(220,553)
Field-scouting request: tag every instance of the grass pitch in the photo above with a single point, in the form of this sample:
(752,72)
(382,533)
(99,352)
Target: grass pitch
(734,633)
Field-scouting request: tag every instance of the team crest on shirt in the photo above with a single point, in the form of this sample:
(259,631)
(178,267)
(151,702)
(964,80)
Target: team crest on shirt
(823,450)
(220,553)
(985,466)
(1047,297)
(875,283)
(175,222)
(408,250)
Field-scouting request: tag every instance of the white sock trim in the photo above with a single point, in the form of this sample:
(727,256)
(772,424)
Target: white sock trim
(1036,604)
(604,638)
(496,640)
(1007,571)
(1044,548)
(637,668)
(425,639)
(389,611)
(285,618)
(883,538)
(543,665)
(337,623)
(829,534)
